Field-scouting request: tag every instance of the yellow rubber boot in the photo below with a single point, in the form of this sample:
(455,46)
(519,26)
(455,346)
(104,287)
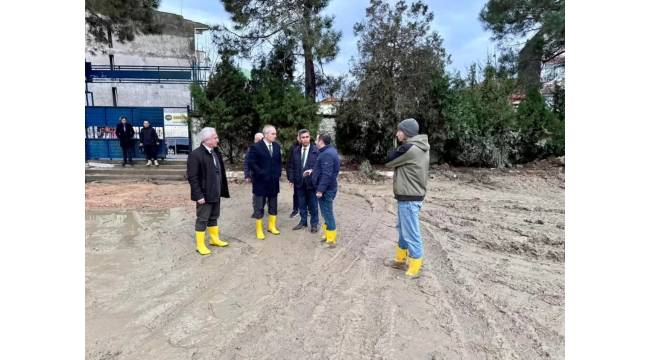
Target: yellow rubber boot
(414,267)
(399,262)
(214,237)
(324,235)
(272,228)
(330,238)
(400,255)
(200,243)
(259,228)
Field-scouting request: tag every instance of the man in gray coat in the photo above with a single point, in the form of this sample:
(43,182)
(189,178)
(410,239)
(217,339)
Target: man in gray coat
(411,163)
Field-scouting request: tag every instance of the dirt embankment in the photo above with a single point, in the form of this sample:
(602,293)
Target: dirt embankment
(492,285)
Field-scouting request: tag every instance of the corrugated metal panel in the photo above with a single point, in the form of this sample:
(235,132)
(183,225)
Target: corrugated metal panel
(95,116)
(100,130)
(113,115)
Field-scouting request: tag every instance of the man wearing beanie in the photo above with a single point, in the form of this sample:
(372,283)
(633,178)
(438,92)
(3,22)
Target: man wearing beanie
(411,163)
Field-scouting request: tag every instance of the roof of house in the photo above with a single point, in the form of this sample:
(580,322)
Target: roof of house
(329,100)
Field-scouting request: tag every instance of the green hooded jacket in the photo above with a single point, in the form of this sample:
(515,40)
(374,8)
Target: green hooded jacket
(411,163)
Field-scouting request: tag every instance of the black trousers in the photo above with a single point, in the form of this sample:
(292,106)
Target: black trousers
(150,151)
(207,215)
(260,201)
(295,199)
(127,152)
(308,204)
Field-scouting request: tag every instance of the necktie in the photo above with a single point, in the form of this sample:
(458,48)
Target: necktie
(271,149)
(214,160)
(303,157)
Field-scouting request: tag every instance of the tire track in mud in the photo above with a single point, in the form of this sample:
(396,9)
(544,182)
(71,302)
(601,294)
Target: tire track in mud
(391,279)
(323,296)
(338,293)
(287,297)
(178,279)
(506,326)
(491,341)
(250,319)
(439,307)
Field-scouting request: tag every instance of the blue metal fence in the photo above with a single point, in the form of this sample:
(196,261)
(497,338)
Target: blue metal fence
(144,73)
(101,142)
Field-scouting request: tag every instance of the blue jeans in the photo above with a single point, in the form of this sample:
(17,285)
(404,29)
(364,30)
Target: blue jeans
(307,199)
(326,203)
(408,227)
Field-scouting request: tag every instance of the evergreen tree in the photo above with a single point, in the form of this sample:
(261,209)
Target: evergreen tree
(480,121)
(226,104)
(238,107)
(278,101)
(299,23)
(541,22)
(398,53)
(542,131)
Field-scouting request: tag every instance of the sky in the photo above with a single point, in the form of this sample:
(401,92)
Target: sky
(455,20)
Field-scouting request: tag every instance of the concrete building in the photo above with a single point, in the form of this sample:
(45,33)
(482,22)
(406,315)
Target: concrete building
(174,50)
(175,46)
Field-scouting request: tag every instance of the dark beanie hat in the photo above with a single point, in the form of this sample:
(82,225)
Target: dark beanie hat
(409,127)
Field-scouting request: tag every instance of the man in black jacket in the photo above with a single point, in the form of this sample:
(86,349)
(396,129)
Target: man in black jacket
(265,161)
(303,159)
(207,177)
(149,140)
(124,132)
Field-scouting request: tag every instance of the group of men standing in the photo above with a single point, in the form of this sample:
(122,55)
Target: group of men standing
(312,171)
(148,137)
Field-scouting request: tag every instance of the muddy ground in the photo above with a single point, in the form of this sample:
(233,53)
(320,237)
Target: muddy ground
(492,285)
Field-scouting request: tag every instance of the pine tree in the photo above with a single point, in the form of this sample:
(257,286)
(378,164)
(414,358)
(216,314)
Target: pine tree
(541,22)
(299,23)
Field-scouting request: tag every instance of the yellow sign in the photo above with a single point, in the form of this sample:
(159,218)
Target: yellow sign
(175,119)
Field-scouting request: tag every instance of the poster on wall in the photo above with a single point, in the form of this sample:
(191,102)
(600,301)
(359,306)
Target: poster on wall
(175,123)
(173,117)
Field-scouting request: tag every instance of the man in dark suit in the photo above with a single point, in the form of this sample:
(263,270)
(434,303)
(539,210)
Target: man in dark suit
(303,159)
(207,177)
(124,132)
(265,161)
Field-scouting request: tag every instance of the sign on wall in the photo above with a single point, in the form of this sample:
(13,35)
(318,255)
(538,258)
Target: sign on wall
(175,118)
(175,123)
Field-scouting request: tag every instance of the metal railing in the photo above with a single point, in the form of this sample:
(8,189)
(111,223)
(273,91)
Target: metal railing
(147,74)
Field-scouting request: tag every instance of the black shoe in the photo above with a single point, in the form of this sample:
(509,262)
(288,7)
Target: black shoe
(299,226)
(123,164)
(314,229)
(294,213)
